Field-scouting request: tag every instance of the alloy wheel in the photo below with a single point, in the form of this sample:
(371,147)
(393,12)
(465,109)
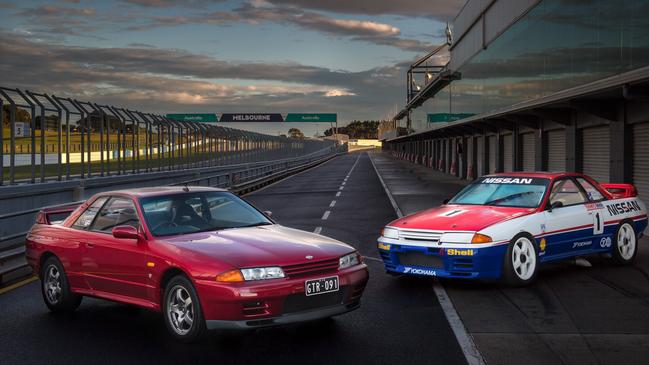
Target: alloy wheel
(626,241)
(52,284)
(523,258)
(180,310)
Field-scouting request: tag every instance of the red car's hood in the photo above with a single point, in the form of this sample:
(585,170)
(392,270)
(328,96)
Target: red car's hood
(272,245)
(459,217)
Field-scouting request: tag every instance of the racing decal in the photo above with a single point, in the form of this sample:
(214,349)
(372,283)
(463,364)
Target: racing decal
(542,245)
(598,223)
(456,252)
(623,207)
(452,213)
(605,242)
(594,206)
(412,270)
(384,246)
(582,244)
(507,180)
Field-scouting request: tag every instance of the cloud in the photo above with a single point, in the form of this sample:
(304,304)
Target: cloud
(53,10)
(439,9)
(162,80)
(52,21)
(256,12)
(168,3)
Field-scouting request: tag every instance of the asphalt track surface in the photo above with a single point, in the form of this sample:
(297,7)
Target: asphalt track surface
(400,320)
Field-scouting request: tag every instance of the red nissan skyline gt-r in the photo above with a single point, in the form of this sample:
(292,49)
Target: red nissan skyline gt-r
(202,256)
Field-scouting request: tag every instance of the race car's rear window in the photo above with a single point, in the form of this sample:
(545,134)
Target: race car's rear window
(506,191)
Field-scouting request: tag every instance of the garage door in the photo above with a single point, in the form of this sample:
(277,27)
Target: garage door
(470,159)
(508,153)
(556,142)
(528,150)
(480,157)
(491,141)
(641,160)
(596,160)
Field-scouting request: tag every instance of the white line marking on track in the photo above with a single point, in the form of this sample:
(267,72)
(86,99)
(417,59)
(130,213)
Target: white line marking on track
(341,188)
(326,215)
(338,193)
(332,204)
(343,183)
(317,230)
(291,176)
(464,339)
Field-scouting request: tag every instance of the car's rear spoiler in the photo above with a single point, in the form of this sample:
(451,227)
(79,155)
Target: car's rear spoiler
(619,191)
(57,213)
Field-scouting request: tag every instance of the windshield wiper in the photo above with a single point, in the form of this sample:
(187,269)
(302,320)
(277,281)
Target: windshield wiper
(255,225)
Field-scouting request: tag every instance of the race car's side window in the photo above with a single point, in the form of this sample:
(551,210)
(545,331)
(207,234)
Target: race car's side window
(85,219)
(117,212)
(567,192)
(593,194)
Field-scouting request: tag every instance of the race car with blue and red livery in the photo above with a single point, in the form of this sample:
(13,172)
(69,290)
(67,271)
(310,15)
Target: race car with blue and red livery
(504,226)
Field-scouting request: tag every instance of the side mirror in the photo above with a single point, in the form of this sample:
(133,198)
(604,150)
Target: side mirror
(127,232)
(445,201)
(555,205)
(268,213)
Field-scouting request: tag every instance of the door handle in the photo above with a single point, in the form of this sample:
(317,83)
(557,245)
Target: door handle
(90,245)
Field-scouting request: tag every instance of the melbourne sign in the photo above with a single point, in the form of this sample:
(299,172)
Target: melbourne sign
(252,117)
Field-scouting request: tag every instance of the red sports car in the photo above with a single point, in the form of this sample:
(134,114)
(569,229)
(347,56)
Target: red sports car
(202,256)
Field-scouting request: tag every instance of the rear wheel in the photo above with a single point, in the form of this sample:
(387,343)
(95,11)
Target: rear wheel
(626,244)
(182,310)
(56,289)
(521,262)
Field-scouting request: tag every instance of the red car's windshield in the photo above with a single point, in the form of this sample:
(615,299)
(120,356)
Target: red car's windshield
(504,191)
(198,212)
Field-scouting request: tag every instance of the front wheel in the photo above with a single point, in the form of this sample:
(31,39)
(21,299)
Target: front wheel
(56,289)
(521,263)
(182,310)
(626,244)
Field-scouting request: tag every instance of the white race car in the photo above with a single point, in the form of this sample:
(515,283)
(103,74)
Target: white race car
(504,226)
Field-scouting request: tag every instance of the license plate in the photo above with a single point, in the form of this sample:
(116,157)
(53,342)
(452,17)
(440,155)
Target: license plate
(321,286)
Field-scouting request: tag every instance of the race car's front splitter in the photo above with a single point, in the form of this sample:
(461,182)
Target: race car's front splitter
(465,263)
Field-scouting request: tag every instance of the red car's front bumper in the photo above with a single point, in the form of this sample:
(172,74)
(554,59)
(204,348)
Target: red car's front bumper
(281,301)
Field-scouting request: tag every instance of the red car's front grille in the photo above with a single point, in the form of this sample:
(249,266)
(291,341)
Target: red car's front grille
(311,268)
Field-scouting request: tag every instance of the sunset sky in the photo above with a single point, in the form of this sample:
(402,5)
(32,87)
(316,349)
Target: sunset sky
(280,56)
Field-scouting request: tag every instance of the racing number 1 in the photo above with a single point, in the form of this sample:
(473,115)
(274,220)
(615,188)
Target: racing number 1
(598,225)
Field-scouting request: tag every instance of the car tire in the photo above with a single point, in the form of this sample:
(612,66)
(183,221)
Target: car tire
(55,287)
(182,310)
(521,262)
(625,247)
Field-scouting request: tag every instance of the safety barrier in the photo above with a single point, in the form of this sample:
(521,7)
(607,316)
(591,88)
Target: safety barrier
(45,137)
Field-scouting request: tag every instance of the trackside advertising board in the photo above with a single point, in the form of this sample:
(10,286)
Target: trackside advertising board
(198,118)
(312,117)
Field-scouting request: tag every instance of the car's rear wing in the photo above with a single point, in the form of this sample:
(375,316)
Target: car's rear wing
(619,191)
(56,214)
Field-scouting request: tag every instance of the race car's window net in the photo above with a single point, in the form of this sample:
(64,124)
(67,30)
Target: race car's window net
(567,192)
(503,191)
(86,218)
(593,194)
(199,212)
